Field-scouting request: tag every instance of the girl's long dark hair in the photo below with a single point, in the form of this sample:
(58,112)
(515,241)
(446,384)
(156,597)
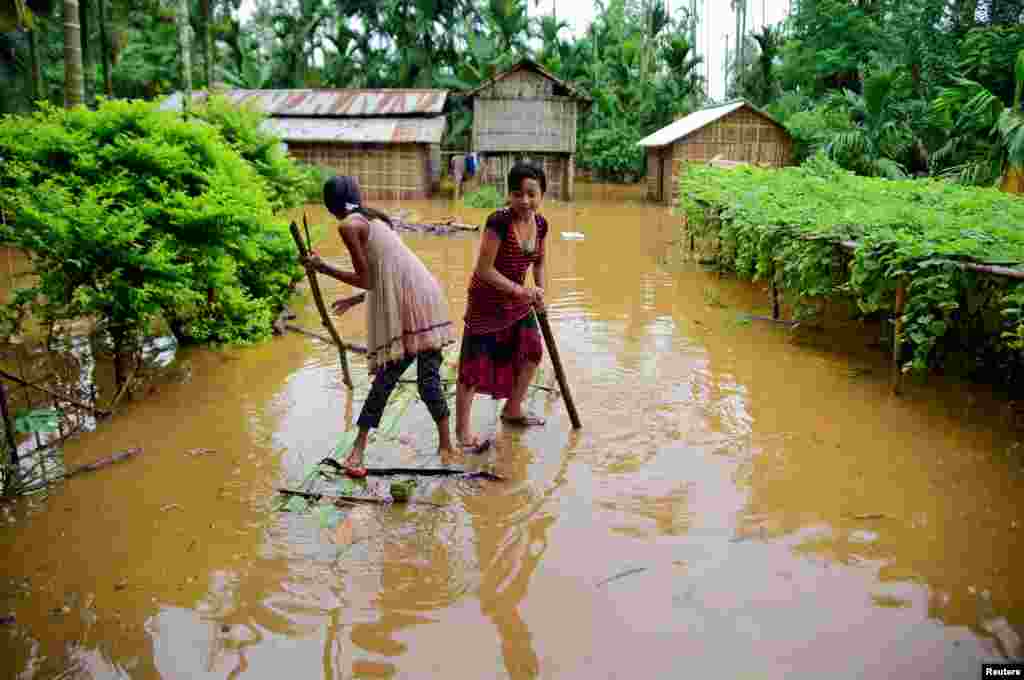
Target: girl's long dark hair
(342,197)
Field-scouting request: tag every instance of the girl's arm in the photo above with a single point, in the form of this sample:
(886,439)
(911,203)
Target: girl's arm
(353,233)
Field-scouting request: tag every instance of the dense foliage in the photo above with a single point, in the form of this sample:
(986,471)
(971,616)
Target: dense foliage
(130,215)
(895,88)
(636,60)
(788,224)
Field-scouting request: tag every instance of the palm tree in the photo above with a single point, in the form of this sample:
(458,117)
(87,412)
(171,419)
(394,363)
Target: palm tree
(74,92)
(185,48)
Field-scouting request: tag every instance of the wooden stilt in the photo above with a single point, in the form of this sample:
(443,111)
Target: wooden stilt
(897,337)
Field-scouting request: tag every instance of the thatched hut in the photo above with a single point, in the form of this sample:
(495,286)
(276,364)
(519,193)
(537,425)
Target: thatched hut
(526,113)
(389,139)
(737,132)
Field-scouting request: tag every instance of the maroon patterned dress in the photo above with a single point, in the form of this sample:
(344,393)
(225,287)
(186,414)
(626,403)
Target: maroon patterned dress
(501,331)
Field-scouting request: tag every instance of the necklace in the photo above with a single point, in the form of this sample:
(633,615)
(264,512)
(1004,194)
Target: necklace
(527,245)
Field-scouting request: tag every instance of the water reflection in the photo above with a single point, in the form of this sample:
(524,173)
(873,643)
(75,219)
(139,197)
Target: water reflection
(735,487)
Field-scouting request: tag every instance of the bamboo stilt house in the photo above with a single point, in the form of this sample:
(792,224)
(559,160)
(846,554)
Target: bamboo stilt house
(527,114)
(389,139)
(736,131)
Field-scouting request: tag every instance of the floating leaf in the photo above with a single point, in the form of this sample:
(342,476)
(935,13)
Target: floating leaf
(37,420)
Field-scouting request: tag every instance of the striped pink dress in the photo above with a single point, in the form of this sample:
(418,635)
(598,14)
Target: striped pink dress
(501,331)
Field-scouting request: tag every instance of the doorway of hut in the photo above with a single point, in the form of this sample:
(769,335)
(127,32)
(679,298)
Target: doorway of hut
(660,192)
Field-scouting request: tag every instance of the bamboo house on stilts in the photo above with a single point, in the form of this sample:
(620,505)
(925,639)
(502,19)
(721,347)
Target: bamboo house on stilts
(527,114)
(389,139)
(736,132)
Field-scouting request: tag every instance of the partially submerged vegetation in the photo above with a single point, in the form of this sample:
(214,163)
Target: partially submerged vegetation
(819,231)
(130,216)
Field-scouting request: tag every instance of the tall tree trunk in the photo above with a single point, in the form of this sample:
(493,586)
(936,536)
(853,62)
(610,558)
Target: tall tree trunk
(88,64)
(36,66)
(108,83)
(73,93)
(208,56)
(185,47)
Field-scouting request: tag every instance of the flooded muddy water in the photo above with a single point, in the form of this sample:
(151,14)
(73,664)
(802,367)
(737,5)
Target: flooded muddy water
(742,498)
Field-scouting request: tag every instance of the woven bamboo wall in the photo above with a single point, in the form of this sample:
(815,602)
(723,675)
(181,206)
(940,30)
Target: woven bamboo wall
(521,113)
(559,169)
(385,171)
(743,135)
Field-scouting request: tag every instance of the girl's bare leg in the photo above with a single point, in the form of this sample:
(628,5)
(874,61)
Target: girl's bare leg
(355,457)
(514,406)
(463,404)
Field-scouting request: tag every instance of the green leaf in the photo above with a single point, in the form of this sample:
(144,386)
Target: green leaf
(37,420)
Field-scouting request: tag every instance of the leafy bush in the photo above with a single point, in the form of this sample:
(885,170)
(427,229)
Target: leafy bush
(240,126)
(814,128)
(130,214)
(315,177)
(487,197)
(612,152)
(788,223)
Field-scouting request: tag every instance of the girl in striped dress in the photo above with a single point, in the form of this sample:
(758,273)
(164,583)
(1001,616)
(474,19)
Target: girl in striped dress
(406,312)
(502,345)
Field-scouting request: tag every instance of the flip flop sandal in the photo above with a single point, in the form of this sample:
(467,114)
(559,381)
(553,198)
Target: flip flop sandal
(479,448)
(524,421)
(356,472)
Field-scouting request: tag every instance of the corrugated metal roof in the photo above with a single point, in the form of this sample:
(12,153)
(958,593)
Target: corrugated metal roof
(688,124)
(332,103)
(352,130)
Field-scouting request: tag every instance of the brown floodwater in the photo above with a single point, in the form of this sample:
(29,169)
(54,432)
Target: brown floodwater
(742,497)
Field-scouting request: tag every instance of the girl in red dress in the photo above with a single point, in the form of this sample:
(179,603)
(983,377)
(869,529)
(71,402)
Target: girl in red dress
(502,345)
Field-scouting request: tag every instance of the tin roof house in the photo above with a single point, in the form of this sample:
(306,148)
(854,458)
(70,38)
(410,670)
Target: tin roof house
(389,139)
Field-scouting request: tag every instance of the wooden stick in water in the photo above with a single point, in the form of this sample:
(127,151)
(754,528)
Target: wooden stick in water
(318,298)
(549,340)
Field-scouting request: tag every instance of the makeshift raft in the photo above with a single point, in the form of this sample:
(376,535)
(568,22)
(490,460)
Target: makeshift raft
(325,482)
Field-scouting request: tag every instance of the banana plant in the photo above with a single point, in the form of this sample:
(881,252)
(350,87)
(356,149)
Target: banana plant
(878,140)
(986,140)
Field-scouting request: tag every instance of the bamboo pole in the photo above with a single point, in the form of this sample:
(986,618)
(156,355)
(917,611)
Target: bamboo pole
(549,340)
(897,333)
(314,286)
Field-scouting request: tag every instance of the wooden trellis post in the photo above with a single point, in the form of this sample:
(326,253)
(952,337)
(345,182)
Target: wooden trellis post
(897,336)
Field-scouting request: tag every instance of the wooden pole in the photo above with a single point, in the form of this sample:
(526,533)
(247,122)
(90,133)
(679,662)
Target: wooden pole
(775,294)
(549,340)
(12,443)
(314,286)
(897,333)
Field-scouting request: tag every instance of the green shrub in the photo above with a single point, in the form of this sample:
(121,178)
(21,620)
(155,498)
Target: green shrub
(130,214)
(814,128)
(315,176)
(612,152)
(287,184)
(486,197)
(788,223)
